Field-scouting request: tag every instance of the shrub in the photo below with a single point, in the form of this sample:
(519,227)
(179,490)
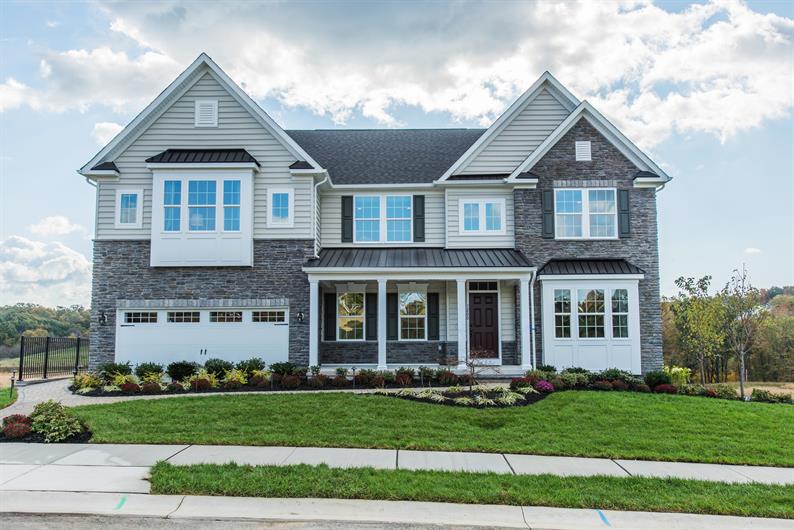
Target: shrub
(539,375)
(657,377)
(573,380)
(290,381)
(249,366)
(558,383)
(520,382)
(53,421)
(576,370)
(152,377)
(613,374)
(547,368)
(203,380)
(148,368)
(315,370)
(318,381)
(426,375)
(388,377)
(725,391)
(342,372)
(108,370)
(181,370)
(403,379)
(601,385)
(283,369)
(174,386)
(466,379)
(16,430)
(692,390)
(260,378)
(679,375)
(87,380)
(641,387)
(446,377)
(218,367)
(770,397)
(340,381)
(233,379)
(665,388)
(16,418)
(410,372)
(130,387)
(620,385)
(124,379)
(150,388)
(544,387)
(364,377)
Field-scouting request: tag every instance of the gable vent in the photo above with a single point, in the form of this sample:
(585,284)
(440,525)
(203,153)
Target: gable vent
(206,113)
(583,152)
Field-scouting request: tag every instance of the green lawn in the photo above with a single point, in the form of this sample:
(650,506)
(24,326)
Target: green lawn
(632,493)
(7,397)
(596,424)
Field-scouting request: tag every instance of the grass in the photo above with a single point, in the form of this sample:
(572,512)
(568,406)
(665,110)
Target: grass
(631,493)
(594,424)
(7,398)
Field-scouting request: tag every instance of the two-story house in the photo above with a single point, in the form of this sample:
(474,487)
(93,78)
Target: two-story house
(219,234)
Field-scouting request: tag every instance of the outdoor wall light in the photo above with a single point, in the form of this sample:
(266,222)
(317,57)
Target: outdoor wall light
(103,318)
(299,316)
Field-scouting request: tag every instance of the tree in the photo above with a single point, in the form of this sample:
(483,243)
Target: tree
(743,316)
(698,318)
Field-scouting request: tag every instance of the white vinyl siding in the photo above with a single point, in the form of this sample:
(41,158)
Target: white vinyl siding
(522,135)
(331,217)
(456,238)
(236,128)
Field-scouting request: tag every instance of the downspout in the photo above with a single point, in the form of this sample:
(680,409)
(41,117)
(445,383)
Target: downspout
(532,318)
(96,203)
(316,220)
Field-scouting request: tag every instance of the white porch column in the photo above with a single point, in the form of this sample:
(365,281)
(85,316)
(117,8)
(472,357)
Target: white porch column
(462,327)
(526,324)
(314,322)
(381,324)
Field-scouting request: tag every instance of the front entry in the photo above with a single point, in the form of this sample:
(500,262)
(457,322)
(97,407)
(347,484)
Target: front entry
(484,325)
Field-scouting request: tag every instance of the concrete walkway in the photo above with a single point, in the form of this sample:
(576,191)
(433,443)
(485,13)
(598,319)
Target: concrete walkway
(181,507)
(125,468)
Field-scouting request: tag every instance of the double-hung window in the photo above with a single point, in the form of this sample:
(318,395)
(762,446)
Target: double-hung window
(620,313)
(413,315)
(398,218)
(591,313)
(172,205)
(562,313)
(231,205)
(129,208)
(350,316)
(201,205)
(482,216)
(585,213)
(378,219)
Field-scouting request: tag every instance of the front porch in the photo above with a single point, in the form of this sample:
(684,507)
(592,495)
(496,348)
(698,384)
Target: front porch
(386,317)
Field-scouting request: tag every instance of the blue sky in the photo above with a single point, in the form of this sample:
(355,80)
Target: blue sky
(706,89)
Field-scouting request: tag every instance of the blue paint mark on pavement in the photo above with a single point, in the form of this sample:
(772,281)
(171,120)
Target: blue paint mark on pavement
(603,518)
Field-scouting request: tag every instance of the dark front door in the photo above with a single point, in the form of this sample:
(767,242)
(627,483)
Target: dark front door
(484,325)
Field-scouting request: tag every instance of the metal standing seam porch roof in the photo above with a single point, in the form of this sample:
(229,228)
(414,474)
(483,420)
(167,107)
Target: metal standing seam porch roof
(202,156)
(386,258)
(592,267)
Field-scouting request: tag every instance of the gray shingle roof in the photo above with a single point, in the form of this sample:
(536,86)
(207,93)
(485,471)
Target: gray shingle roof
(589,266)
(418,257)
(202,156)
(385,156)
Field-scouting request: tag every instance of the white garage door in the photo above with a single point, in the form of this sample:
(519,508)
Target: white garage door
(165,336)
(592,324)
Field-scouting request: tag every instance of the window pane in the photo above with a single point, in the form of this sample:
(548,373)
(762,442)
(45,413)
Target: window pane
(367,231)
(226,316)
(568,201)
(493,216)
(602,225)
(351,328)
(591,301)
(620,301)
(398,207)
(280,206)
(412,328)
(129,208)
(562,326)
(562,301)
(602,213)
(231,192)
(591,313)
(140,317)
(602,201)
(591,326)
(202,218)
(471,217)
(231,218)
(268,316)
(413,304)
(397,230)
(171,222)
(366,213)
(184,316)
(620,326)
(201,192)
(172,193)
(351,304)
(569,225)
(367,208)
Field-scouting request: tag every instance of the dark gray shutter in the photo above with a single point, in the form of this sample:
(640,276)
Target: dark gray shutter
(391,316)
(329,317)
(432,316)
(372,316)
(347,218)
(419,218)
(624,222)
(547,209)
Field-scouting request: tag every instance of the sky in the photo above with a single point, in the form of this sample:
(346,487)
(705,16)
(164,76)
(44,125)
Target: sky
(706,89)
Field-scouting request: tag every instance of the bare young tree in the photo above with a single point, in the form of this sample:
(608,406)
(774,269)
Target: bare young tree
(476,366)
(743,317)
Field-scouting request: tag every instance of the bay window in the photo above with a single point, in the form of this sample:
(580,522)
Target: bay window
(591,313)
(620,313)
(350,316)
(201,205)
(562,313)
(482,216)
(172,205)
(378,219)
(231,205)
(413,315)
(585,213)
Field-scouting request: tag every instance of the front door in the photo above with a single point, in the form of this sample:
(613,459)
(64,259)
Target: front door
(484,325)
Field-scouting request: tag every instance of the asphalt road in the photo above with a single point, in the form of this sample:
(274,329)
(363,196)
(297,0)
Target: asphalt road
(69,522)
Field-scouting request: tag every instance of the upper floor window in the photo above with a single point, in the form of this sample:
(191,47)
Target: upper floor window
(201,205)
(585,213)
(373,223)
(172,204)
(482,216)
(280,207)
(206,113)
(129,207)
(231,205)
(350,316)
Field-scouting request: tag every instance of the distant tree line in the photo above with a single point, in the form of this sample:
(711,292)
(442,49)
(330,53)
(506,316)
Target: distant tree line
(40,321)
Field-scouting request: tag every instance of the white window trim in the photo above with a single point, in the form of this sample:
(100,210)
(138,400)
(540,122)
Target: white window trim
(586,214)
(607,314)
(570,312)
(410,288)
(583,151)
(223,205)
(199,102)
(138,208)
(612,314)
(483,231)
(186,199)
(276,223)
(180,206)
(384,219)
(352,289)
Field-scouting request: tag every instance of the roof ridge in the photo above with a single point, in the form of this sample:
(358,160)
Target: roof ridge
(391,129)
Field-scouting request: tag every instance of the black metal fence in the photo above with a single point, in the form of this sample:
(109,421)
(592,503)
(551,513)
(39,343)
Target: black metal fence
(44,357)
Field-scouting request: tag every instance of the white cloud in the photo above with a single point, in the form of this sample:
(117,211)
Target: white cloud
(43,273)
(104,131)
(752,250)
(718,68)
(56,225)
(52,23)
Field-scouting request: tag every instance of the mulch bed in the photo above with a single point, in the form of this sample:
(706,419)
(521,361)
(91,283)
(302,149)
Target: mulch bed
(35,437)
(528,399)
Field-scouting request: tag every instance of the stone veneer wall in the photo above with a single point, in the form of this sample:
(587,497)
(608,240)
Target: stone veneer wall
(429,352)
(558,168)
(122,271)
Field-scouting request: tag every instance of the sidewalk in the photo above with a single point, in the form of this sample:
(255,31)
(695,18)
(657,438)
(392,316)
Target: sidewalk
(124,468)
(185,507)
